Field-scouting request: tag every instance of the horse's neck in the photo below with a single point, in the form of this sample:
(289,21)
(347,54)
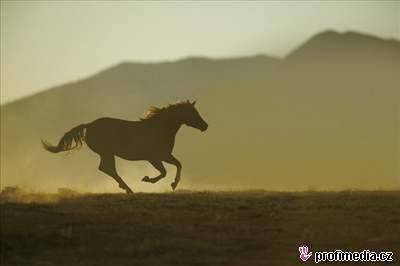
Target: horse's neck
(170,127)
(173,128)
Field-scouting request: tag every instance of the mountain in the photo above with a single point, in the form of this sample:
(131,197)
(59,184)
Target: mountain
(325,117)
(349,44)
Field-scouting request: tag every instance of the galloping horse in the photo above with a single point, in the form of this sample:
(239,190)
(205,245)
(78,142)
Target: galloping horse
(152,139)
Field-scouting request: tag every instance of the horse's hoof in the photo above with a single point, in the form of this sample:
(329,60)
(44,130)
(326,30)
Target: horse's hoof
(126,188)
(146,179)
(173,185)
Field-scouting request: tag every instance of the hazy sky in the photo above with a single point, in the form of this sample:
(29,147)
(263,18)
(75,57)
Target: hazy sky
(44,44)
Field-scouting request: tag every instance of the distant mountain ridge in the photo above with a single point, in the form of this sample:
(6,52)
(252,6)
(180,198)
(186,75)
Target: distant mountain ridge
(324,117)
(328,40)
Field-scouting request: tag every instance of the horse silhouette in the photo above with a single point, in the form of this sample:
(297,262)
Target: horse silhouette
(152,139)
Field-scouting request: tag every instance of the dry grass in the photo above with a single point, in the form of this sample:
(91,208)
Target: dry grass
(193,228)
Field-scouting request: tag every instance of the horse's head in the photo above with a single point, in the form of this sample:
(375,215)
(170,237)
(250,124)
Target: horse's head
(192,118)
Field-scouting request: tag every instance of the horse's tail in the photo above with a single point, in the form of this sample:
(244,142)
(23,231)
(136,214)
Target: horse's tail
(77,135)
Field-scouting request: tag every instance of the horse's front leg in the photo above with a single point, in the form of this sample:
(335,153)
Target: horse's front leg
(172,160)
(107,165)
(160,167)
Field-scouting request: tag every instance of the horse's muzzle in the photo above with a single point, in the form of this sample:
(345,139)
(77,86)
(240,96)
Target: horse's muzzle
(204,127)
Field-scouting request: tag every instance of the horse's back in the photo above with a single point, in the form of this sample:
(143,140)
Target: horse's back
(106,134)
(109,121)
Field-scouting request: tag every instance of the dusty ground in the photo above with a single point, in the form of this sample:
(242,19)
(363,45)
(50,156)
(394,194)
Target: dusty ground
(194,228)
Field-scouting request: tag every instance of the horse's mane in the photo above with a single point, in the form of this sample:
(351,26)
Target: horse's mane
(155,112)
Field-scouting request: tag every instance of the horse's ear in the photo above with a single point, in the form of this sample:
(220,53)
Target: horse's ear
(193,103)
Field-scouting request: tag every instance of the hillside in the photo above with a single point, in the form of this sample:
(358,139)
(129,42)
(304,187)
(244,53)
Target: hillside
(325,117)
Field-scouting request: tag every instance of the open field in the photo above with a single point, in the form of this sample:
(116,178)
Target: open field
(194,228)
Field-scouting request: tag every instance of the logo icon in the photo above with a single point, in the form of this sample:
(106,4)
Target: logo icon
(304,254)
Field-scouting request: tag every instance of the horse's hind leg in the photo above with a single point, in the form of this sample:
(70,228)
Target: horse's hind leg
(160,167)
(172,160)
(107,165)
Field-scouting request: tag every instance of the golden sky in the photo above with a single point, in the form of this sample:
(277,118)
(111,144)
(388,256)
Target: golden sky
(45,43)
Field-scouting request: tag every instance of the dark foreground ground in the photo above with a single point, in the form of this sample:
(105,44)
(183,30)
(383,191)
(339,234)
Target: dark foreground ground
(195,228)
